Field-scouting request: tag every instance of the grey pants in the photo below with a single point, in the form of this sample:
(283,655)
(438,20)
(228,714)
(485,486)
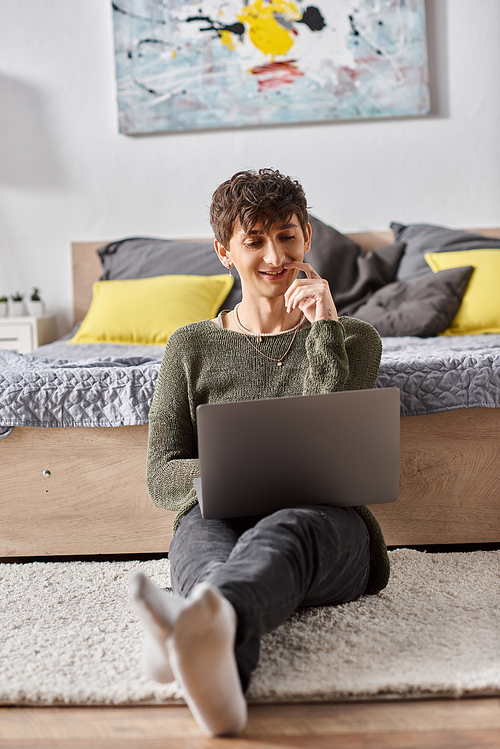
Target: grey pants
(267,567)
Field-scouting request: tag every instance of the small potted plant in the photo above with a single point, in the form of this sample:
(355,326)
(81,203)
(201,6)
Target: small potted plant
(3,306)
(16,307)
(35,304)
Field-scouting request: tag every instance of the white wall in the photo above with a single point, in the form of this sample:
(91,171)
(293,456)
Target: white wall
(67,174)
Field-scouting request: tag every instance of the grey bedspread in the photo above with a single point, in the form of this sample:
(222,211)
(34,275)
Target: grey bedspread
(442,373)
(64,385)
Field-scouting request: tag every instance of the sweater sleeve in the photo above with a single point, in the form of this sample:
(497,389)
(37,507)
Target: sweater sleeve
(172,461)
(342,355)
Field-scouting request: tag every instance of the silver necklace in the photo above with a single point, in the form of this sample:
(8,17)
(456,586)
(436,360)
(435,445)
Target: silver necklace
(260,336)
(247,333)
(279,362)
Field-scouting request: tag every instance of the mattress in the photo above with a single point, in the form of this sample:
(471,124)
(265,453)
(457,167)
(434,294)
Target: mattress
(110,385)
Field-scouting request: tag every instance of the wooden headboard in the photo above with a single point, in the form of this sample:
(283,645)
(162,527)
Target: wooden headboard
(87,264)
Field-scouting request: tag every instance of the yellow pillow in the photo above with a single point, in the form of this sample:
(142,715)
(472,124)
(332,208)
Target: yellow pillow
(148,310)
(480,308)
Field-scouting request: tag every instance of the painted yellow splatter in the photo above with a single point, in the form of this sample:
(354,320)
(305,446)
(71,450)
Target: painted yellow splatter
(266,33)
(227,39)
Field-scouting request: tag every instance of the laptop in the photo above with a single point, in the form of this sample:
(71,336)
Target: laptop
(260,456)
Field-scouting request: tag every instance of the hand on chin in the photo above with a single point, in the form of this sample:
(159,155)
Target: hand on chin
(312,295)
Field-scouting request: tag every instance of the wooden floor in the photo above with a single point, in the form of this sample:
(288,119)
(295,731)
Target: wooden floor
(429,724)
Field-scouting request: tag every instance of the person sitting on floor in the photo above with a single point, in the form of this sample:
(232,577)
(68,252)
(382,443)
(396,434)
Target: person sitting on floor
(233,580)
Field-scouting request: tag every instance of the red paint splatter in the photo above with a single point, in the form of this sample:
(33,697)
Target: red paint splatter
(346,81)
(276,74)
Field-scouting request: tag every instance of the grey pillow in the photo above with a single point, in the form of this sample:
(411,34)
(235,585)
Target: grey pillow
(352,275)
(422,307)
(144,257)
(422,238)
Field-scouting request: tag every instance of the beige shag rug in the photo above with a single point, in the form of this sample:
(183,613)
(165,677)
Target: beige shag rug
(69,635)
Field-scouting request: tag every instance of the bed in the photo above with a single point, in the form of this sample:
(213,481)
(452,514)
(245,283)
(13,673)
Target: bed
(78,488)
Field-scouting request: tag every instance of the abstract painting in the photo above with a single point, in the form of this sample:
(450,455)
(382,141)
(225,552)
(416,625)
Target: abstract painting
(201,64)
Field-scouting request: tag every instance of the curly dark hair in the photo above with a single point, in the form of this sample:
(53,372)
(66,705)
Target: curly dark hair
(252,196)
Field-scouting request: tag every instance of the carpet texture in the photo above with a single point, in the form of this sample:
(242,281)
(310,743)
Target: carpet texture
(69,635)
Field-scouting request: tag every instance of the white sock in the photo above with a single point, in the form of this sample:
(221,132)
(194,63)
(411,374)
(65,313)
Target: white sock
(155,659)
(195,644)
(158,611)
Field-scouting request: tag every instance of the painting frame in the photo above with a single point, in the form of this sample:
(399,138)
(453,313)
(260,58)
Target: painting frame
(211,64)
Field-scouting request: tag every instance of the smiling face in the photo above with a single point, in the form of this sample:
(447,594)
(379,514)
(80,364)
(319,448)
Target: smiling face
(261,255)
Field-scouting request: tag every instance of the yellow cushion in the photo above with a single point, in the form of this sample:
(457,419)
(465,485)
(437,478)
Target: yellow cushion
(148,310)
(480,308)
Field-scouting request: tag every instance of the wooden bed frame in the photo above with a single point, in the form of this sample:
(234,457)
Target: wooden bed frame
(95,501)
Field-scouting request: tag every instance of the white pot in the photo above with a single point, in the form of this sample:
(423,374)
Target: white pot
(36,308)
(16,309)
(4,309)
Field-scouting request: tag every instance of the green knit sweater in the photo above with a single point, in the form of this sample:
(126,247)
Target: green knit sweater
(204,363)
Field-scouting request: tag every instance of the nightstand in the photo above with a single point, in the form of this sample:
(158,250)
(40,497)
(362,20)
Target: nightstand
(24,334)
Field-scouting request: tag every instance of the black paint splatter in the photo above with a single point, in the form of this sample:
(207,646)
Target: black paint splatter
(234,28)
(134,15)
(160,42)
(139,53)
(313,18)
(151,41)
(354,30)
